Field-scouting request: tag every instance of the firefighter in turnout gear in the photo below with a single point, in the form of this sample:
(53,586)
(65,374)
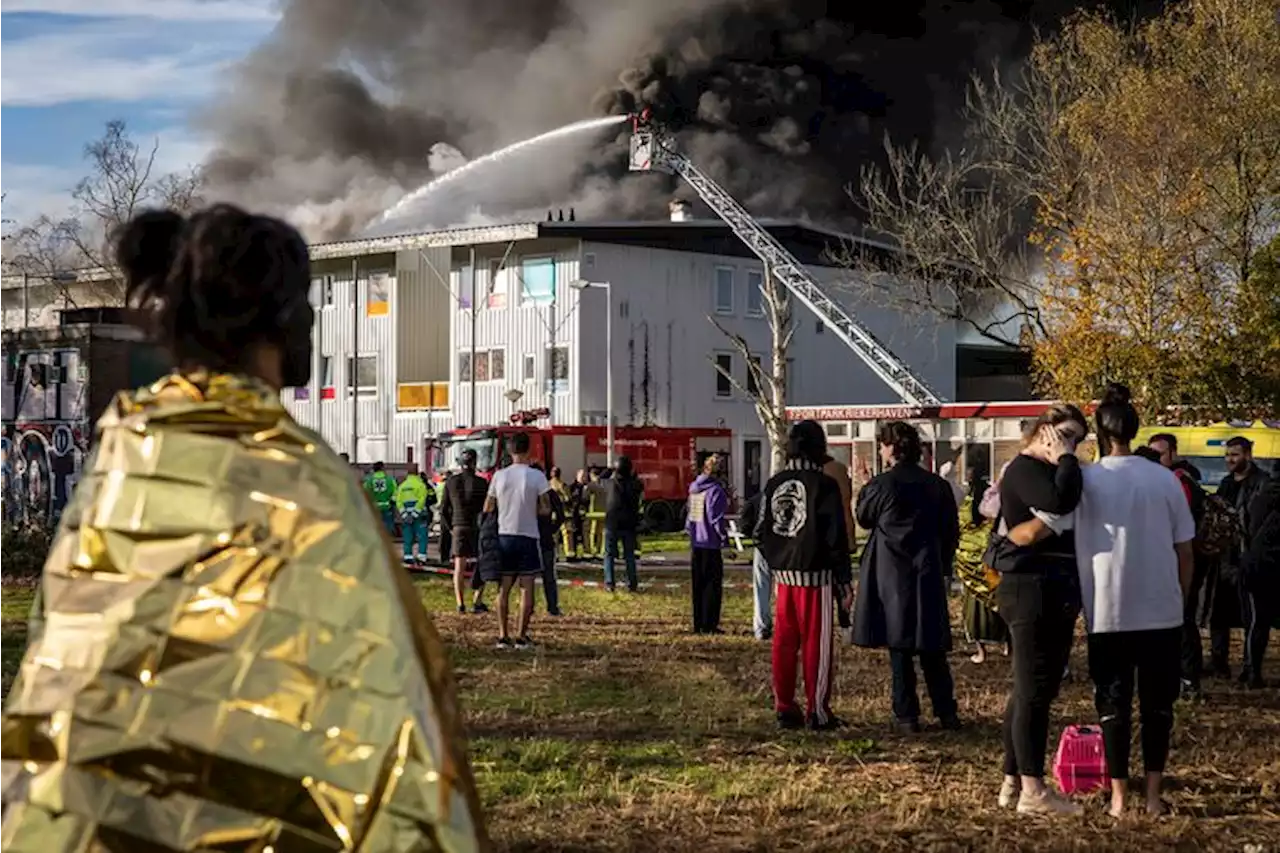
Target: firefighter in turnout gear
(801,533)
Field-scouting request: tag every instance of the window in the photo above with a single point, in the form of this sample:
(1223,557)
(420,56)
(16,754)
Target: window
(753,382)
(326,377)
(362,372)
(755,293)
(530,367)
(328,291)
(462,286)
(558,364)
(724,290)
(377,301)
(538,281)
(497,285)
(724,369)
(490,365)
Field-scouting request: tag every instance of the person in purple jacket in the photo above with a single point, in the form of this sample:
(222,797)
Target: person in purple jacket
(708,529)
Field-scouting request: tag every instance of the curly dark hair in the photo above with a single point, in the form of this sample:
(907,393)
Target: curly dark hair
(208,286)
(903,438)
(807,441)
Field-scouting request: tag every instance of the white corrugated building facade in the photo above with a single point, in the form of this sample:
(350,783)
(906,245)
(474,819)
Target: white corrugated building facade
(536,334)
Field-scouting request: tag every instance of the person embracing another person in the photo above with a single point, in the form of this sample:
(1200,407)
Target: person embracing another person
(1133,541)
(1038,596)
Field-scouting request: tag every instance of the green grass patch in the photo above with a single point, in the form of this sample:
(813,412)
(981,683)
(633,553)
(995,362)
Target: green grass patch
(623,732)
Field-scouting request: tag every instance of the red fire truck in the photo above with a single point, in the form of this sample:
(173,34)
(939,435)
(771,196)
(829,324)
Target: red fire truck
(665,458)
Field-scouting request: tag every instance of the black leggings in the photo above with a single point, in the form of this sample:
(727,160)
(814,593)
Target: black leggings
(1114,660)
(1040,611)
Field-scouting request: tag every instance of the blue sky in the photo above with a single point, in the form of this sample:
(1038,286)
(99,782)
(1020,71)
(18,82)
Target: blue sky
(69,66)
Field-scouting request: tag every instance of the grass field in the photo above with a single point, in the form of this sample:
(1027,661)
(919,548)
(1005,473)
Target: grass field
(624,732)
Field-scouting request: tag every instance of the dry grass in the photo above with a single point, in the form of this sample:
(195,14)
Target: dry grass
(623,732)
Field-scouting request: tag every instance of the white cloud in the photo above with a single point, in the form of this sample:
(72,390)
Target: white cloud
(120,60)
(32,190)
(168,10)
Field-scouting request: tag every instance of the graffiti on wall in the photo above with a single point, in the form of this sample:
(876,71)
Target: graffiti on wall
(46,432)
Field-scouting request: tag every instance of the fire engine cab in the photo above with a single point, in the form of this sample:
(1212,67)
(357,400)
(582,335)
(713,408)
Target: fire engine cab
(666,459)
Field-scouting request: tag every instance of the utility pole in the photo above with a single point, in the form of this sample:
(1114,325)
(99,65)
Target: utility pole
(475,310)
(26,301)
(354,368)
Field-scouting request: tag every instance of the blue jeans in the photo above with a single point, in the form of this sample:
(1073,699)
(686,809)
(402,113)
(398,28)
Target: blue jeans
(627,538)
(414,531)
(762,581)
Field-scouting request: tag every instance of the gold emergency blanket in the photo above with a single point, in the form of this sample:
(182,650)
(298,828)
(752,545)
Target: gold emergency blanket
(223,654)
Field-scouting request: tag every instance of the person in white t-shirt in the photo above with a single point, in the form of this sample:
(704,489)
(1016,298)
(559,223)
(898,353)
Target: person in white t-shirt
(518,494)
(1133,532)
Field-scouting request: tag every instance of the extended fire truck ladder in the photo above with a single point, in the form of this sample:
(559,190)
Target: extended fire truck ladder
(651,151)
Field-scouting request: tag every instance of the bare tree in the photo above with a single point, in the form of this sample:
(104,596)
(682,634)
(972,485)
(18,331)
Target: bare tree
(959,223)
(40,250)
(766,386)
(122,181)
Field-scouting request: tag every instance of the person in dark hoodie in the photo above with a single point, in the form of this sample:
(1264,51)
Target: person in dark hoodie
(906,567)
(800,531)
(622,495)
(708,529)
(1260,575)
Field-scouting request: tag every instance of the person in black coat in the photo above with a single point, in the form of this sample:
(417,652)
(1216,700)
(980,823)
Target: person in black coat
(548,529)
(623,493)
(1260,574)
(902,590)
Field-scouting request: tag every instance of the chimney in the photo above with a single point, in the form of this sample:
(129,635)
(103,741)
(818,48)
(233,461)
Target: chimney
(680,211)
(560,218)
(572,215)
(549,217)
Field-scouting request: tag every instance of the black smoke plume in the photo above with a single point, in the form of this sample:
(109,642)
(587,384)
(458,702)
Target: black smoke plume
(349,105)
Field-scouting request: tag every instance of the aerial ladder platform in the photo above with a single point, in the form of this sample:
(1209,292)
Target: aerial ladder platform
(654,151)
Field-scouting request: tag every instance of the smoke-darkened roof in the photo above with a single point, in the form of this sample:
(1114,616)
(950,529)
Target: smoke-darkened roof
(811,244)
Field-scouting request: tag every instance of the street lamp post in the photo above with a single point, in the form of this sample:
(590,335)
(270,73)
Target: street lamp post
(582,285)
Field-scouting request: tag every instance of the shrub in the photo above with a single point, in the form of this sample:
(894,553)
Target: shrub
(25,546)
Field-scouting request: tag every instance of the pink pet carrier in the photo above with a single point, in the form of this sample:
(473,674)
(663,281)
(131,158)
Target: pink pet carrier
(1080,765)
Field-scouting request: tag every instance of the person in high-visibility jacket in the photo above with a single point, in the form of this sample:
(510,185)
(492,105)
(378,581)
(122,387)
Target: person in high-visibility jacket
(595,514)
(562,491)
(446,532)
(381,488)
(413,503)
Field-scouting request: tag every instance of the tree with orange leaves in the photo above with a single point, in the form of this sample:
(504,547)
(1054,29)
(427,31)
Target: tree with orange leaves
(1137,171)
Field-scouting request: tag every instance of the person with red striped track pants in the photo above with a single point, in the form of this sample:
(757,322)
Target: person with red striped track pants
(800,531)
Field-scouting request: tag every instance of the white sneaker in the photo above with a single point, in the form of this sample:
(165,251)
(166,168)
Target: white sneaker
(1049,802)
(1008,793)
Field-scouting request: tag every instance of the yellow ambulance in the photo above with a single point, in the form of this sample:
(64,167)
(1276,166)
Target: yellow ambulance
(1205,447)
